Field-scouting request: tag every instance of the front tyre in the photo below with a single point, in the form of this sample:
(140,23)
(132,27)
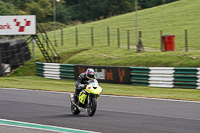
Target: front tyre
(92,107)
(74,109)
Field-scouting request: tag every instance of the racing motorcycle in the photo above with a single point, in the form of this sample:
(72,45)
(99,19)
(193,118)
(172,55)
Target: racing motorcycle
(87,99)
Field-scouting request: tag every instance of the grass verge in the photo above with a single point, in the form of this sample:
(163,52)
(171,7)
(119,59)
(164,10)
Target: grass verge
(40,83)
(150,21)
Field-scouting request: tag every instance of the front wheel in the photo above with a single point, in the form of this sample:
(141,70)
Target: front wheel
(92,107)
(74,109)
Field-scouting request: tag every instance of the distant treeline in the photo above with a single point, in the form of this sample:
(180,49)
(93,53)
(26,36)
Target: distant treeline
(74,10)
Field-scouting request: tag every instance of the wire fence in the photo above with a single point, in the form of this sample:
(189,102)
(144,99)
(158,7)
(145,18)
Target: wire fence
(152,41)
(185,40)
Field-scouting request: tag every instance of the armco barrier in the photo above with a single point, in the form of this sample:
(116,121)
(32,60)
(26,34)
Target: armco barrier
(139,76)
(169,77)
(161,77)
(55,70)
(102,73)
(187,78)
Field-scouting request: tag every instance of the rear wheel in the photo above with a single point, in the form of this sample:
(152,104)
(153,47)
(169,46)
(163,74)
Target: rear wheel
(92,107)
(74,109)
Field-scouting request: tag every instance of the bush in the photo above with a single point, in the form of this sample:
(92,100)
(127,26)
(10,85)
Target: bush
(50,26)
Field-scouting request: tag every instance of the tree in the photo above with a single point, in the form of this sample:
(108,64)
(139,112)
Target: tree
(151,3)
(42,9)
(70,10)
(62,14)
(116,7)
(6,8)
(20,4)
(94,9)
(47,7)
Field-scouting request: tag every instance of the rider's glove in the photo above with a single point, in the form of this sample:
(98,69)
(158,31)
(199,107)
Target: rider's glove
(82,86)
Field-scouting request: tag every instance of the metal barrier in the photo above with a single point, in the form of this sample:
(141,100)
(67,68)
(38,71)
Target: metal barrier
(187,78)
(139,76)
(55,70)
(161,77)
(168,77)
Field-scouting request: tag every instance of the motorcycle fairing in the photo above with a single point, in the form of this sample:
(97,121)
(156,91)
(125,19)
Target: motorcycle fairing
(92,88)
(82,97)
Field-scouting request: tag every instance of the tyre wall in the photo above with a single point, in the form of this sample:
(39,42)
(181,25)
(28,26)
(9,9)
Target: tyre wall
(13,54)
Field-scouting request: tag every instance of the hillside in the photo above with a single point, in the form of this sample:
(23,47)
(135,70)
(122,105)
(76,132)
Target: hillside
(172,18)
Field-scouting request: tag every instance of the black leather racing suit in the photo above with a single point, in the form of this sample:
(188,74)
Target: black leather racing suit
(82,79)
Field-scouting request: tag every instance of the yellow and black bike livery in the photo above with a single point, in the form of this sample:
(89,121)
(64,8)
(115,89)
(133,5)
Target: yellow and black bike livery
(88,98)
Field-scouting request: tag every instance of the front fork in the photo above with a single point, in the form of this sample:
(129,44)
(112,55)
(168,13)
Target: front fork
(89,100)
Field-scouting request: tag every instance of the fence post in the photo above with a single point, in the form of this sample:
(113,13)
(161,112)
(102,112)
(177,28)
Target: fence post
(76,36)
(186,41)
(108,34)
(92,37)
(140,34)
(61,37)
(118,37)
(161,42)
(128,39)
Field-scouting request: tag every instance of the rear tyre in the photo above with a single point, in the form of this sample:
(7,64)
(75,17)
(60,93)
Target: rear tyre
(74,109)
(92,107)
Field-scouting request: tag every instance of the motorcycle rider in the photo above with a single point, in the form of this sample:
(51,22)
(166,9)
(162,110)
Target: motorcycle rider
(82,80)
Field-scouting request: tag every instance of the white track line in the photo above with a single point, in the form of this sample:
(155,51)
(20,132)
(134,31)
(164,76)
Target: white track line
(41,127)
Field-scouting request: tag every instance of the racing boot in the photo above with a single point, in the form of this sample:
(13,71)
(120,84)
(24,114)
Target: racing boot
(77,91)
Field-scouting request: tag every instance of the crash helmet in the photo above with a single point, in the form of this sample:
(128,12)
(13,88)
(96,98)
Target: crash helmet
(90,73)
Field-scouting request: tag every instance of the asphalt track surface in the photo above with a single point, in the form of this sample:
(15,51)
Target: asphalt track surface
(114,114)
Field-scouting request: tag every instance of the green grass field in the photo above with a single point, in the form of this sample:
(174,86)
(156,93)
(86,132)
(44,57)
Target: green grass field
(172,18)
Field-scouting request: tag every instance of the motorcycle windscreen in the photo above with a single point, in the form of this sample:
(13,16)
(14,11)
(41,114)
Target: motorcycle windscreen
(93,90)
(94,87)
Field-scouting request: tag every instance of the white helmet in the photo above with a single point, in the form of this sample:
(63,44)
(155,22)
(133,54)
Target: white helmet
(90,73)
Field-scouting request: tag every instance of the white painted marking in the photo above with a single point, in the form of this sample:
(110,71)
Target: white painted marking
(41,127)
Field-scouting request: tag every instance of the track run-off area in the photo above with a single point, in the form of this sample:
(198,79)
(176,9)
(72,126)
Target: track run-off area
(47,111)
